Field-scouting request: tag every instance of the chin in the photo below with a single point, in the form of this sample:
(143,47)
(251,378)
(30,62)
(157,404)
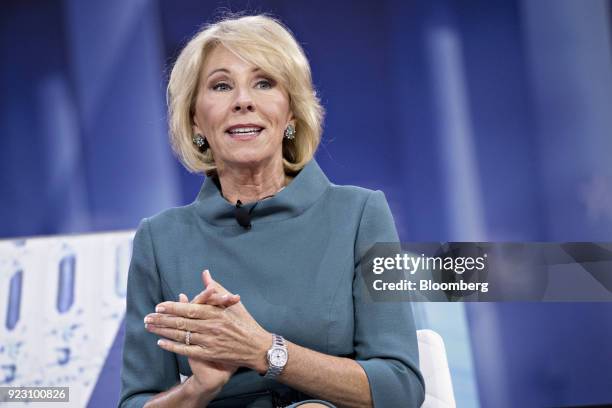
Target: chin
(247,155)
(246,159)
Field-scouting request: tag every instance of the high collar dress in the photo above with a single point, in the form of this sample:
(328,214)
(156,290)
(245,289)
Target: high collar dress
(295,270)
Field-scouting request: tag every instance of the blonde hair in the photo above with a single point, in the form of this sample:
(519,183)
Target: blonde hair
(266,43)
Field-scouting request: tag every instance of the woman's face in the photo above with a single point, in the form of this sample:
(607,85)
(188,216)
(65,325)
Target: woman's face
(240,110)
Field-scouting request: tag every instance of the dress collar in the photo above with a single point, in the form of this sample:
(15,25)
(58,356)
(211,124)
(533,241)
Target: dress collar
(301,193)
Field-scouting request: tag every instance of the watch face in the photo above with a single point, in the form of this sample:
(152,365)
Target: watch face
(278,357)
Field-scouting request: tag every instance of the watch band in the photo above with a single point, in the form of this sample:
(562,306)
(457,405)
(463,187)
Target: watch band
(278,340)
(278,346)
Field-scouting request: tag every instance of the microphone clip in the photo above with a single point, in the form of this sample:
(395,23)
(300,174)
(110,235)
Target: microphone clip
(242,215)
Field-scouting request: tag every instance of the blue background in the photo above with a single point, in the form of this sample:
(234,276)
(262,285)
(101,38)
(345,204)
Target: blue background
(480,120)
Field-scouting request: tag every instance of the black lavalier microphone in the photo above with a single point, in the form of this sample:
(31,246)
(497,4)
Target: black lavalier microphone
(243,215)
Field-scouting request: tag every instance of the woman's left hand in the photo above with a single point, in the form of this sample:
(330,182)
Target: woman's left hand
(224,335)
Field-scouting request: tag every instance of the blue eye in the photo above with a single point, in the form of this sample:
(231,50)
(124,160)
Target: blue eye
(264,84)
(221,86)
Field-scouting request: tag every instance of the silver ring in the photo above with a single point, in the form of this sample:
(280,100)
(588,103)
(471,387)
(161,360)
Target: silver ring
(188,338)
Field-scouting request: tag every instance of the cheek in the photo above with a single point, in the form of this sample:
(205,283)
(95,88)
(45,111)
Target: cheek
(275,105)
(211,115)
(278,111)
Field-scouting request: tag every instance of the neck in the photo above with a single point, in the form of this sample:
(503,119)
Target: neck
(249,184)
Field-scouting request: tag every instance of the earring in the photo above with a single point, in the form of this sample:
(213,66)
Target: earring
(290,132)
(201,142)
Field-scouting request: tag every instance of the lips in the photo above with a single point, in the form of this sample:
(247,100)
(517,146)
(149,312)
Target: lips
(244,130)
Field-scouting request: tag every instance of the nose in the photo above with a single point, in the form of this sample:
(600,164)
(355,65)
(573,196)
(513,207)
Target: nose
(243,102)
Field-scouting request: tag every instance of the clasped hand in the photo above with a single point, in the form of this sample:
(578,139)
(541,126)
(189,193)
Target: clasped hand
(223,334)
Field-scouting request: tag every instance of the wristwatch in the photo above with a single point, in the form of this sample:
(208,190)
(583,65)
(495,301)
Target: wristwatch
(277,356)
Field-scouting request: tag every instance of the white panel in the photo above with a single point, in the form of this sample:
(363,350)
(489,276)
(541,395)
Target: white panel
(71,303)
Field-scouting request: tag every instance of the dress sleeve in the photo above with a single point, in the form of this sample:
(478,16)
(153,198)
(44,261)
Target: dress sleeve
(385,335)
(147,369)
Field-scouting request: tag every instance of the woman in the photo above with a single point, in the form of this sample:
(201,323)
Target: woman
(271,227)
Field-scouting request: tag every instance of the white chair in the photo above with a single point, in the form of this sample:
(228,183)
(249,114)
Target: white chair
(434,367)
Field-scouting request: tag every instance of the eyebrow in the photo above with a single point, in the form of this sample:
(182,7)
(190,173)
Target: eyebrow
(227,71)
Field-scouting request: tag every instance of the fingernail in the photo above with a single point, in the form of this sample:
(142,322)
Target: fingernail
(160,309)
(148,319)
(161,342)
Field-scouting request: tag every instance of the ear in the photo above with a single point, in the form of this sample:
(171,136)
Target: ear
(292,119)
(196,127)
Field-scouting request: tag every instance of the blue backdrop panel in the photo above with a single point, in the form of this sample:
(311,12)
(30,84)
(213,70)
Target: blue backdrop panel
(480,120)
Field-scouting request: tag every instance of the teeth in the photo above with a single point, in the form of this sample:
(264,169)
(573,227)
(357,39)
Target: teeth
(245,130)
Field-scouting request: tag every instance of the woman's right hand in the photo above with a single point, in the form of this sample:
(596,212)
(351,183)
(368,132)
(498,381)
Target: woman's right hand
(209,377)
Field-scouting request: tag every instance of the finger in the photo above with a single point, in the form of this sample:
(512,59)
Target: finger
(179,336)
(206,278)
(191,351)
(211,296)
(171,334)
(203,296)
(174,322)
(183,298)
(217,299)
(188,310)
(226,300)
(170,321)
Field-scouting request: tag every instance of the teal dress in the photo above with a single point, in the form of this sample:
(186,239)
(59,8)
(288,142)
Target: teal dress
(295,270)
